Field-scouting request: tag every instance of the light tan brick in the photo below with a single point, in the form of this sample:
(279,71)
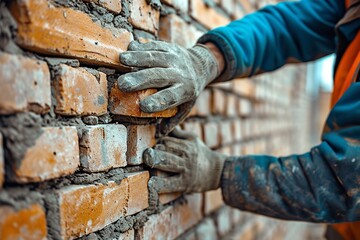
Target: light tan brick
(203,103)
(68,32)
(55,153)
(2,164)
(103,147)
(143,16)
(237,130)
(228,6)
(127,104)
(26,223)
(213,201)
(173,221)
(218,102)
(244,107)
(178,4)
(206,230)
(231,105)
(111,5)
(138,192)
(88,208)
(194,127)
(25,85)
(78,92)
(226,134)
(211,134)
(176,30)
(207,16)
(140,137)
(224,220)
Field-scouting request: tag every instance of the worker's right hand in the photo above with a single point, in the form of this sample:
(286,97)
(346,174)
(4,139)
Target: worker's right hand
(197,168)
(180,74)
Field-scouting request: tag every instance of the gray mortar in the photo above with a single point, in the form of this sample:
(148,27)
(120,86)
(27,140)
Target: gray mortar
(57,61)
(91,120)
(8,27)
(20,132)
(52,215)
(20,198)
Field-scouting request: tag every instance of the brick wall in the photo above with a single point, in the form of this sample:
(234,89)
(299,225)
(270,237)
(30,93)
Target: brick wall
(71,142)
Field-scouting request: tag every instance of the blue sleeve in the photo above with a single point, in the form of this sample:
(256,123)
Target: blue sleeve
(322,185)
(267,39)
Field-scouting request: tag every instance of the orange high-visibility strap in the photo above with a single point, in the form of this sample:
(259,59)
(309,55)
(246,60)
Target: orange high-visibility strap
(346,69)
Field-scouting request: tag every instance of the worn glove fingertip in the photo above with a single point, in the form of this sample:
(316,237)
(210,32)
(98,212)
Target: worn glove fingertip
(148,157)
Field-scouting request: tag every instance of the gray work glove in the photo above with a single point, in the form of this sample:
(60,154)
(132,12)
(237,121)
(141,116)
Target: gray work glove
(197,168)
(180,73)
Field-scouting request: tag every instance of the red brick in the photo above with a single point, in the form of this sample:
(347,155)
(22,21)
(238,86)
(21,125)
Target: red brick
(140,137)
(143,16)
(2,167)
(78,92)
(127,104)
(111,5)
(138,192)
(55,153)
(207,16)
(26,223)
(206,230)
(103,147)
(213,201)
(173,221)
(129,235)
(181,5)
(87,208)
(175,30)
(211,134)
(218,102)
(68,32)
(203,103)
(25,85)
(194,127)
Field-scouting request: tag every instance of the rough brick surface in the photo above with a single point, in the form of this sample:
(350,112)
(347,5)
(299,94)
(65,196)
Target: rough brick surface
(26,223)
(81,38)
(25,85)
(176,30)
(143,16)
(209,17)
(103,147)
(2,167)
(78,92)
(212,200)
(139,138)
(127,104)
(55,153)
(138,192)
(173,221)
(111,5)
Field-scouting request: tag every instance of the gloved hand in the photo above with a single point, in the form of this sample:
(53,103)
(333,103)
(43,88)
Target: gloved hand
(180,73)
(197,168)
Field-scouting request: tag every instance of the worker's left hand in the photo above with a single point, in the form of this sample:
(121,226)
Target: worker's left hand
(197,167)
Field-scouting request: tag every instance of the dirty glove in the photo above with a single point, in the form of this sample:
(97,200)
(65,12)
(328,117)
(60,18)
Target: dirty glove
(180,73)
(197,168)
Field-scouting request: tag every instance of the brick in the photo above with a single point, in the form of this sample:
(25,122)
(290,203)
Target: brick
(228,150)
(237,216)
(84,209)
(206,230)
(223,221)
(213,201)
(165,198)
(231,105)
(228,6)
(25,85)
(103,147)
(143,16)
(181,5)
(218,102)
(111,5)
(175,30)
(237,130)
(194,127)
(68,32)
(244,87)
(173,221)
(2,166)
(226,133)
(211,134)
(138,192)
(207,16)
(140,137)
(26,223)
(127,104)
(244,107)
(203,103)
(78,92)
(237,149)
(55,153)
(129,235)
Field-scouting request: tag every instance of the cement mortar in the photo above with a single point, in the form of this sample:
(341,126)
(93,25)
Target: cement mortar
(19,198)
(52,215)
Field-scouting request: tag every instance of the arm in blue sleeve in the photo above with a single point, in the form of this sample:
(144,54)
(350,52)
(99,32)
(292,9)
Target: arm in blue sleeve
(267,39)
(322,185)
